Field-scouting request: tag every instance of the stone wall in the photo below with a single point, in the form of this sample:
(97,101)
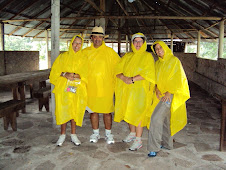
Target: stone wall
(18,61)
(208,74)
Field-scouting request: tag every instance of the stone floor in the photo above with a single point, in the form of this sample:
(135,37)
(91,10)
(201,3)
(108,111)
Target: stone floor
(32,146)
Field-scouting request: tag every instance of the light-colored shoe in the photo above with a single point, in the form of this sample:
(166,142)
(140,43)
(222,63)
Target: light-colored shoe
(94,138)
(109,139)
(136,145)
(61,140)
(129,138)
(75,140)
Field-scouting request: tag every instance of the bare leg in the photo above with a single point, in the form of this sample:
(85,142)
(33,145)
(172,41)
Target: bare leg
(139,131)
(94,117)
(63,128)
(73,127)
(108,121)
(132,128)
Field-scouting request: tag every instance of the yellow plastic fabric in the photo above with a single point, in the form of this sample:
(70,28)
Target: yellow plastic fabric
(170,76)
(101,80)
(133,99)
(69,105)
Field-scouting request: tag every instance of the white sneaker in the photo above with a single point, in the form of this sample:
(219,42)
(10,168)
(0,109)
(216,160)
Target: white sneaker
(129,138)
(109,138)
(94,138)
(136,145)
(61,140)
(75,140)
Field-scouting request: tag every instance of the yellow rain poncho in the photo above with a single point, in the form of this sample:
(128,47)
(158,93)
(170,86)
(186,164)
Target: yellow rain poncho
(133,99)
(101,80)
(170,77)
(69,105)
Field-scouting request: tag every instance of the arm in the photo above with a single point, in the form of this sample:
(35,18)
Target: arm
(70,76)
(127,80)
(166,96)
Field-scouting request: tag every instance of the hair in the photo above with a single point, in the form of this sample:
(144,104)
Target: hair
(78,37)
(154,49)
(139,37)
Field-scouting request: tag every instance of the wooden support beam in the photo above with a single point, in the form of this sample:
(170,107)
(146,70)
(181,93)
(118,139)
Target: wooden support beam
(124,17)
(55,42)
(5,5)
(122,7)
(221,40)
(29,4)
(2,37)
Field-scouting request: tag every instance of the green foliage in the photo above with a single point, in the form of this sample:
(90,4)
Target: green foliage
(13,43)
(209,50)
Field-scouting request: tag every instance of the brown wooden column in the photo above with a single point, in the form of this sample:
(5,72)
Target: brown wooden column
(2,39)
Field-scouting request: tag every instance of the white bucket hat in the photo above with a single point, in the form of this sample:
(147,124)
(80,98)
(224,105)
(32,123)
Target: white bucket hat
(98,31)
(138,35)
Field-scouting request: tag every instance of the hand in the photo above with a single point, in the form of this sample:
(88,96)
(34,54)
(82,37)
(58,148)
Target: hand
(166,97)
(127,80)
(77,76)
(158,93)
(70,76)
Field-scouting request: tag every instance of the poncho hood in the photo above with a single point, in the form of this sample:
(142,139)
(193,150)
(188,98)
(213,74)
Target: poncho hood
(143,48)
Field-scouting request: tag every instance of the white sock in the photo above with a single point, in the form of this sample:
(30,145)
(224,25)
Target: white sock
(96,131)
(107,132)
(132,134)
(138,139)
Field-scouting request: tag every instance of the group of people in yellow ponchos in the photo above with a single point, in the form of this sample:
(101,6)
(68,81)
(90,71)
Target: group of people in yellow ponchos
(146,93)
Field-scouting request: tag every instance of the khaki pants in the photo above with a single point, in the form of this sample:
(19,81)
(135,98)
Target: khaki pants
(159,130)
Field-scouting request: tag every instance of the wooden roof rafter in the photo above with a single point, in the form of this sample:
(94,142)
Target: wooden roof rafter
(79,12)
(99,10)
(39,24)
(143,23)
(172,32)
(4,6)
(25,23)
(193,22)
(175,10)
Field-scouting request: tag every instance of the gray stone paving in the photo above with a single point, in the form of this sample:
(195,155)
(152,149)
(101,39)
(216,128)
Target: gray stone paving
(32,146)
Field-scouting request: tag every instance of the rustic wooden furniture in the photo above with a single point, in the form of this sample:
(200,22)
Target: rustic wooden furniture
(43,95)
(8,110)
(18,81)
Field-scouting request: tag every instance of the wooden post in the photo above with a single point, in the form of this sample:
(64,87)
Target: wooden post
(127,43)
(198,44)
(171,43)
(2,39)
(47,49)
(221,40)
(55,32)
(119,42)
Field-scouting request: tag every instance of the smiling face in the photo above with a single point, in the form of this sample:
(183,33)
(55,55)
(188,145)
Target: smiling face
(77,44)
(138,42)
(97,40)
(159,50)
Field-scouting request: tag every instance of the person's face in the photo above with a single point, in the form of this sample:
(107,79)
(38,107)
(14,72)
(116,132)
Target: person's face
(159,50)
(138,42)
(97,40)
(77,44)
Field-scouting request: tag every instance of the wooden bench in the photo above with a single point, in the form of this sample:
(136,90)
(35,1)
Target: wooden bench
(8,110)
(43,95)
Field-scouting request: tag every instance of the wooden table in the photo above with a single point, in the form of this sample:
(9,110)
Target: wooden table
(18,81)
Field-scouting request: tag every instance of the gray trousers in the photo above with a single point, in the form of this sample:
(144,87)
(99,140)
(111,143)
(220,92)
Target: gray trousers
(159,131)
